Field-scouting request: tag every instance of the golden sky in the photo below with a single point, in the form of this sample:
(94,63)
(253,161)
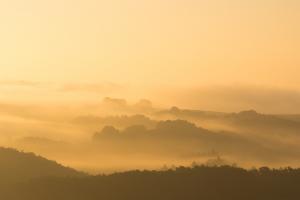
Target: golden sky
(151,43)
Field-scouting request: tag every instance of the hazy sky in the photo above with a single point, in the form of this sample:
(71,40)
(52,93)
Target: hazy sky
(150,43)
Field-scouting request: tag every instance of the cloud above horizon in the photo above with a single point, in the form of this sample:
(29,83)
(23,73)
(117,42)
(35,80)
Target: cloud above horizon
(19,83)
(106,87)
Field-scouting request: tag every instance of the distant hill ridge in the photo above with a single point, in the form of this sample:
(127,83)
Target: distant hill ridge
(249,121)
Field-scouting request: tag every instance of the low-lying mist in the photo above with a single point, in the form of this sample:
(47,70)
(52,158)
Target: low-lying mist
(116,136)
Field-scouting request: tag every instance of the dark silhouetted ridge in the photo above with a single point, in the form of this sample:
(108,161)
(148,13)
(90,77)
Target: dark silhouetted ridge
(200,182)
(16,166)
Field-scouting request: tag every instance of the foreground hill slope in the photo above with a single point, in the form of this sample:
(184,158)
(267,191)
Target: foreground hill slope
(202,182)
(16,166)
(25,176)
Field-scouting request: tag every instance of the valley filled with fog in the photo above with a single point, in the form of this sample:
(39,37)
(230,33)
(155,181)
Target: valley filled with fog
(115,135)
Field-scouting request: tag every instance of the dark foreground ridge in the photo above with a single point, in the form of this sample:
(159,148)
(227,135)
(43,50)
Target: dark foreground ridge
(200,182)
(17,166)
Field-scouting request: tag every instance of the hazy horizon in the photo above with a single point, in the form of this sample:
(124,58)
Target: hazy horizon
(149,99)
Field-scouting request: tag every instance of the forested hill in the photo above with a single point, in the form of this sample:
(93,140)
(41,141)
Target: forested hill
(16,166)
(202,182)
